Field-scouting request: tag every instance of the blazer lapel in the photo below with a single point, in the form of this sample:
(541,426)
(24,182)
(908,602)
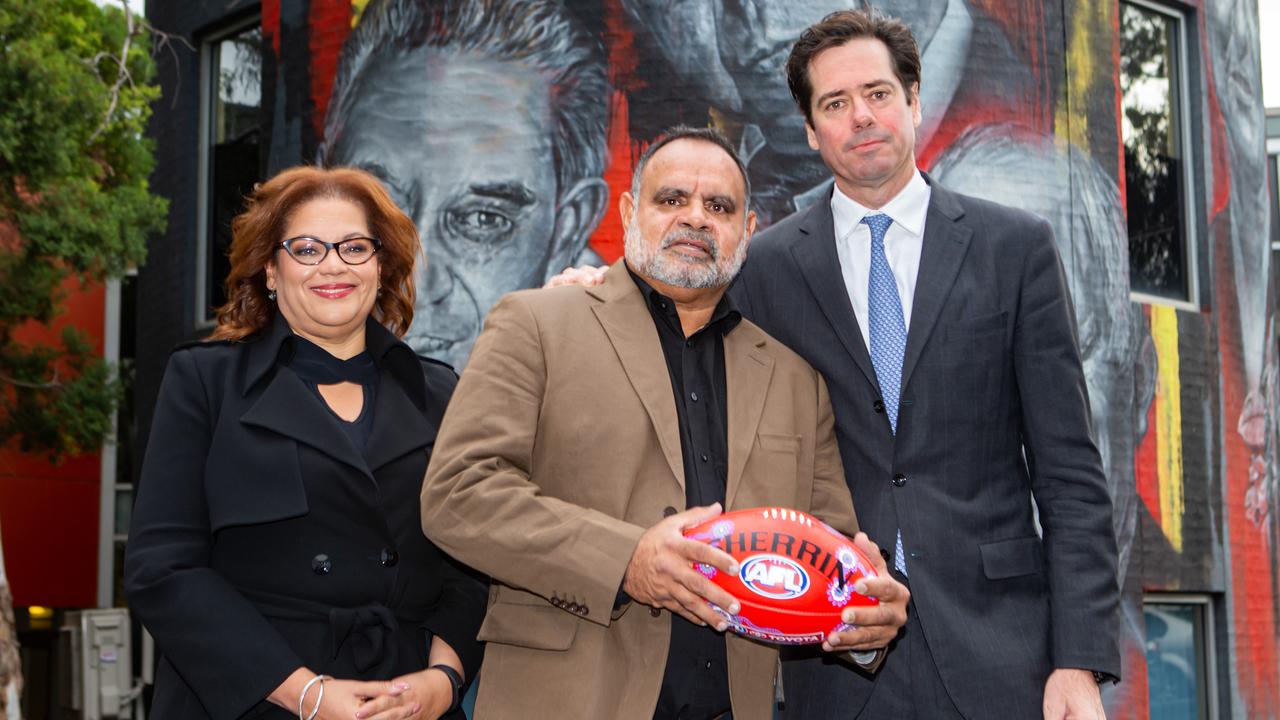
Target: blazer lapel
(629,325)
(945,244)
(747,371)
(815,254)
(288,407)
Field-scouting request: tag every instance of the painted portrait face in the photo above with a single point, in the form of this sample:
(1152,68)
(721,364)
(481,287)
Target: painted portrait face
(463,143)
(329,301)
(864,121)
(732,52)
(688,227)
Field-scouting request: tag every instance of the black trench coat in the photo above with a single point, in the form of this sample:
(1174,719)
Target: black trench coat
(263,540)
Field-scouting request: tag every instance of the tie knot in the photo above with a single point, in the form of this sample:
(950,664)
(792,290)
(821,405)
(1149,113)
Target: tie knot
(879,224)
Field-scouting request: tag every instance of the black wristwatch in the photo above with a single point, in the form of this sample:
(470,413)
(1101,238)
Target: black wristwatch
(1104,678)
(455,681)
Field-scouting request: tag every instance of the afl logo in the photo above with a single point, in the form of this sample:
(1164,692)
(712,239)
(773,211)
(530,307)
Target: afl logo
(774,576)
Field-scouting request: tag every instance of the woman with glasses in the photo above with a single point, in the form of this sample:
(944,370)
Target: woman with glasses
(276,552)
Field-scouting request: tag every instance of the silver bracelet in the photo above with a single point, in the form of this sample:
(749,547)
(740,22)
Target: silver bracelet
(319,697)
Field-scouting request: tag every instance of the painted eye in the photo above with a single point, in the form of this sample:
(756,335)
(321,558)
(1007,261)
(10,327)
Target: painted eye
(481,225)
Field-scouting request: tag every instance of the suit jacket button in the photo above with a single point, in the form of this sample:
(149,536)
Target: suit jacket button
(878,405)
(885,554)
(654,612)
(389,557)
(668,511)
(899,480)
(321,564)
(582,610)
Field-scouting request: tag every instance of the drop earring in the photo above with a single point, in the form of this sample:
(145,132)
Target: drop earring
(271,295)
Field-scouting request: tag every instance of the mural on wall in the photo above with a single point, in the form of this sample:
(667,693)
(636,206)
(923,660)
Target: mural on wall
(507,129)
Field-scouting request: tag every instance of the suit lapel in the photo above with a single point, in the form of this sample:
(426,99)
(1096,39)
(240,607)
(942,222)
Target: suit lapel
(288,407)
(747,371)
(945,243)
(815,254)
(629,325)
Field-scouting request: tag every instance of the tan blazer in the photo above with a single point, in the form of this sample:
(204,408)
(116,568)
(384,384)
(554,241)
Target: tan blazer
(561,445)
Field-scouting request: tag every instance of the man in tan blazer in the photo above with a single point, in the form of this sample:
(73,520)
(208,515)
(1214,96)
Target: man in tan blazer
(587,417)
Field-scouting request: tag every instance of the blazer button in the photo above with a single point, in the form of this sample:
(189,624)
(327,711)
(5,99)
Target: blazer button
(321,564)
(878,405)
(582,610)
(654,612)
(899,480)
(885,554)
(668,511)
(389,557)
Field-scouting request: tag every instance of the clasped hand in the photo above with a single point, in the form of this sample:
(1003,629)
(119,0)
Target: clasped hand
(661,574)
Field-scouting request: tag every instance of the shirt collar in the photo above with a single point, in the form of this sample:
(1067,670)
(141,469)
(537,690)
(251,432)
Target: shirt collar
(907,209)
(724,318)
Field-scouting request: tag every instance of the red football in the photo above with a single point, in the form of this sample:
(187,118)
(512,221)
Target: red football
(795,573)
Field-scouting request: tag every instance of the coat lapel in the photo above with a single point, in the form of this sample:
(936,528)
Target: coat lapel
(288,407)
(945,243)
(399,426)
(747,372)
(815,254)
(629,325)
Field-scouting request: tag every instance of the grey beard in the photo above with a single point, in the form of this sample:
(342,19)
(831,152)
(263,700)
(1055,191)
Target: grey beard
(715,272)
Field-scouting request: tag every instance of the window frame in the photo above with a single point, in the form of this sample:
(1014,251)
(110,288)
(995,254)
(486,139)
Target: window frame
(1190,211)
(203,318)
(1207,610)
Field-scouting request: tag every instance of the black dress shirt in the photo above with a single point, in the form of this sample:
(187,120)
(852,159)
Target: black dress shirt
(695,685)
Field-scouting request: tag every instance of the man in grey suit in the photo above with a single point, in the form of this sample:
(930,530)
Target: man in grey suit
(945,331)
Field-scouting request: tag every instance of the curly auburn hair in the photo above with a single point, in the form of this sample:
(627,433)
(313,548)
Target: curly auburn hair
(256,234)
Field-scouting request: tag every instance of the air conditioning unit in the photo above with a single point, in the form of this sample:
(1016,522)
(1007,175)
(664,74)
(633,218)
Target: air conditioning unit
(95,667)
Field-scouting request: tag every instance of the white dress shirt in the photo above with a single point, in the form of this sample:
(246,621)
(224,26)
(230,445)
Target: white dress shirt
(902,245)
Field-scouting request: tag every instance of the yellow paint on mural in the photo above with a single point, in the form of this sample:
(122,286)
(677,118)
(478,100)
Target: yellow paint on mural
(1168,429)
(1090,24)
(357,8)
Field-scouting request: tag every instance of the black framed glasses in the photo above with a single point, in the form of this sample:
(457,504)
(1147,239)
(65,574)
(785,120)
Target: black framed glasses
(312,251)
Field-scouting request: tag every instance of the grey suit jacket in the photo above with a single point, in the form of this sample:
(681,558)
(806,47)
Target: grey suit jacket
(993,411)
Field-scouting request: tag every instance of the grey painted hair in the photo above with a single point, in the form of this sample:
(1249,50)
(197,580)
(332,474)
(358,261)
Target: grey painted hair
(538,33)
(685,132)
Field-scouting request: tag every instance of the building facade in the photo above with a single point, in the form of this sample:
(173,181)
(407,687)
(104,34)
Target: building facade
(508,128)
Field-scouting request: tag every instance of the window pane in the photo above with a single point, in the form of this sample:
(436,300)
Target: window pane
(1153,155)
(234,156)
(1175,660)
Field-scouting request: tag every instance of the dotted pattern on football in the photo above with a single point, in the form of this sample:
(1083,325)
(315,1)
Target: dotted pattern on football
(795,573)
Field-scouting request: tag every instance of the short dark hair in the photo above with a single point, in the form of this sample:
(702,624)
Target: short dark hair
(839,28)
(541,34)
(685,132)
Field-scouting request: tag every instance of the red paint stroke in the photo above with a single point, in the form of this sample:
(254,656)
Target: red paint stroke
(1132,700)
(271,23)
(607,239)
(1217,131)
(1252,573)
(1024,26)
(619,40)
(959,119)
(1145,463)
(329,22)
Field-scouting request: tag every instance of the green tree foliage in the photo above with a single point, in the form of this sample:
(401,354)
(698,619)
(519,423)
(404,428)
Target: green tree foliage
(75,94)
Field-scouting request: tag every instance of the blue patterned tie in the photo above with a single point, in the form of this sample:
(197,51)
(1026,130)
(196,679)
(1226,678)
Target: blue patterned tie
(888,333)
